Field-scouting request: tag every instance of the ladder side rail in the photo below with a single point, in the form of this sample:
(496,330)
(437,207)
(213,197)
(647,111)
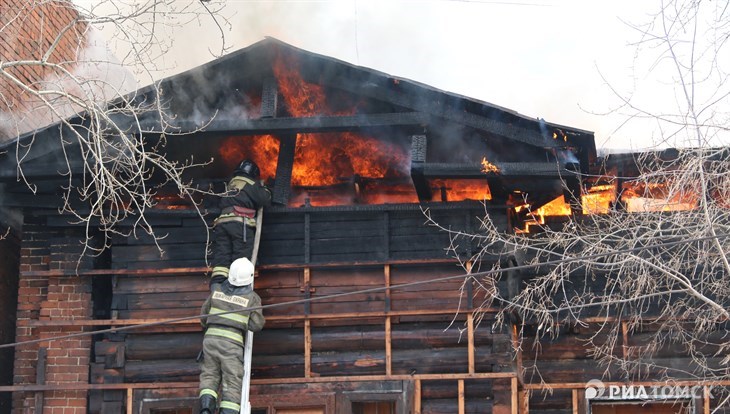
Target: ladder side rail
(248,345)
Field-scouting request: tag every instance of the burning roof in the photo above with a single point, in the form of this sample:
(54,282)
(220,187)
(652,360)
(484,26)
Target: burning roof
(326,132)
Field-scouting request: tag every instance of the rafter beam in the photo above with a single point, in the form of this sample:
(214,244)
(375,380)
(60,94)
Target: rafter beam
(328,123)
(373,88)
(506,169)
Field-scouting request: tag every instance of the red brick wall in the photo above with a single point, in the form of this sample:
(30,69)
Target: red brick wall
(50,298)
(28,28)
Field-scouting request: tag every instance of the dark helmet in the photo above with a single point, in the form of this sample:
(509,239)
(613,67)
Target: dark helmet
(249,168)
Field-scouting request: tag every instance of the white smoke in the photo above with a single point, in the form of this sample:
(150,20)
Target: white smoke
(96,77)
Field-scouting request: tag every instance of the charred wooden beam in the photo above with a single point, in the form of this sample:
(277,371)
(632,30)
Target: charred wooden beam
(572,188)
(371,88)
(506,169)
(40,377)
(418,160)
(284,167)
(386,236)
(269,97)
(619,204)
(291,125)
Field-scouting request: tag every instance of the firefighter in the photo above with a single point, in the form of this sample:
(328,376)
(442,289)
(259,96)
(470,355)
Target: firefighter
(224,337)
(235,228)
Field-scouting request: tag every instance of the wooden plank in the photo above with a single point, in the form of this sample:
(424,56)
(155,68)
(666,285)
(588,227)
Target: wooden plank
(388,320)
(341,338)
(307,348)
(306,288)
(284,167)
(77,386)
(517,349)
(292,125)
(473,389)
(575,402)
(385,227)
(162,285)
(168,300)
(514,389)
(194,319)
(130,393)
(357,226)
(334,379)
(166,236)
(307,238)
(461,396)
(625,340)
(706,400)
(417,397)
(388,348)
(386,271)
(450,406)
(175,271)
(363,303)
(438,360)
(144,253)
(470,345)
(40,378)
(345,245)
(582,385)
(156,265)
(524,402)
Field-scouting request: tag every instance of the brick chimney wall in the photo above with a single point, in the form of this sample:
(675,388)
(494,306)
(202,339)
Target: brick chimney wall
(28,29)
(44,298)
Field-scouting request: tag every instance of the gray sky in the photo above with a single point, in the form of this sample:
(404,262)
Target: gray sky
(539,57)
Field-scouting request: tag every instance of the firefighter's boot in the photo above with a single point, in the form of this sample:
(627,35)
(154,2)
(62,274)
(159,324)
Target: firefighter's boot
(228,411)
(207,404)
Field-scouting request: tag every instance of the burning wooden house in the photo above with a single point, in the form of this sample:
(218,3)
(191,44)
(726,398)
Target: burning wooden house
(353,157)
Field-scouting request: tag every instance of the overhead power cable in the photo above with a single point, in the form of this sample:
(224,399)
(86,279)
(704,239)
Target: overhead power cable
(374,290)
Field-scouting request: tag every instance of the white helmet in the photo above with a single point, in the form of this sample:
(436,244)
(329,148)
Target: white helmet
(241,272)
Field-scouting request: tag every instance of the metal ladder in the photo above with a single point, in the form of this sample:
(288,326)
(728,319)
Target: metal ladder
(248,345)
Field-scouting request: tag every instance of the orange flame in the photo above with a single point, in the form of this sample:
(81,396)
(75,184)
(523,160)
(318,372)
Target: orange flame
(556,207)
(262,149)
(327,158)
(170,202)
(460,190)
(488,167)
(301,98)
(599,199)
(559,134)
(656,197)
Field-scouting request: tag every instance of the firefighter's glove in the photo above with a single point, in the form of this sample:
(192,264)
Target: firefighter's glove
(215,280)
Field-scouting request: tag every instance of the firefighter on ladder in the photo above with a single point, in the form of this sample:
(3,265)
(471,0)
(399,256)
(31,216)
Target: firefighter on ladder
(234,229)
(223,342)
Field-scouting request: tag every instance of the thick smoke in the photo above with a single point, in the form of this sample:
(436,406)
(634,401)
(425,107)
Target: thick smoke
(96,77)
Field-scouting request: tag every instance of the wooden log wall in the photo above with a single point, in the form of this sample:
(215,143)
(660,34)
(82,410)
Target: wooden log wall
(421,330)
(422,336)
(310,236)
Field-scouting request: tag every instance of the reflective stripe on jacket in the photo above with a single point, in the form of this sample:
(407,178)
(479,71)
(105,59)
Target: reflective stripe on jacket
(225,332)
(234,303)
(221,302)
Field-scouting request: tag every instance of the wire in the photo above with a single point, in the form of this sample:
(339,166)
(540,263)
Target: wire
(504,3)
(372,290)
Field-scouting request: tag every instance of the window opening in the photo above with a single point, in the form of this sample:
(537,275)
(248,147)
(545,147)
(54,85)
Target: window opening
(379,407)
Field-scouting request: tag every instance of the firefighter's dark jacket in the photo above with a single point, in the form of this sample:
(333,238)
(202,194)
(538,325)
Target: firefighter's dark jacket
(225,297)
(245,192)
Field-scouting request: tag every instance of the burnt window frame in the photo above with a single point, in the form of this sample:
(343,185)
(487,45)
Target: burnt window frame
(403,399)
